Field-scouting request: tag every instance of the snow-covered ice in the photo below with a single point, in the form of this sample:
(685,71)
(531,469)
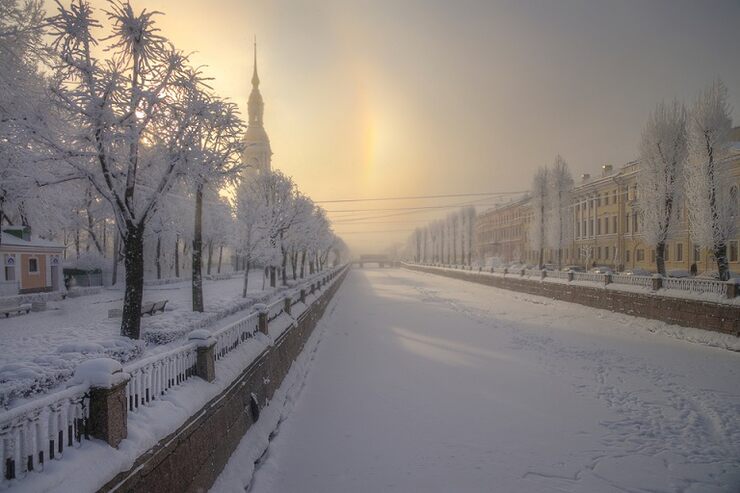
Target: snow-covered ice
(424,383)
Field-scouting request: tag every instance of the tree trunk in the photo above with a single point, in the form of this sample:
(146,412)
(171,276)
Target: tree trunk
(197,255)
(210,256)
(246,281)
(133,247)
(723,269)
(294,264)
(660,257)
(159,257)
(303,263)
(220,256)
(177,256)
(310,267)
(116,256)
(273,277)
(284,268)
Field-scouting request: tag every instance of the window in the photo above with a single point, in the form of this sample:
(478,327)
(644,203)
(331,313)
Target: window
(652,256)
(606,253)
(733,251)
(666,253)
(614,224)
(33,265)
(598,226)
(627,223)
(640,255)
(9,268)
(697,253)
(679,252)
(634,222)
(606,199)
(598,253)
(627,255)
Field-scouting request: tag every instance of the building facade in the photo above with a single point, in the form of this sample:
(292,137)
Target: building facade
(606,227)
(30,264)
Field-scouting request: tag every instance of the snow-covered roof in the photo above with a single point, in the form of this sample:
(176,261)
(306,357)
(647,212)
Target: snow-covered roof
(7,239)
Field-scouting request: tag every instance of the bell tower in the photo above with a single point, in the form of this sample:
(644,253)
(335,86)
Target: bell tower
(257,151)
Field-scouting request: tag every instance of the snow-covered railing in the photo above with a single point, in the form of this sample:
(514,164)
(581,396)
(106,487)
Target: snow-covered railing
(39,431)
(557,274)
(152,377)
(229,337)
(533,272)
(642,281)
(274,309)
(588,276)
(695,285)
(500,270)
(9,288)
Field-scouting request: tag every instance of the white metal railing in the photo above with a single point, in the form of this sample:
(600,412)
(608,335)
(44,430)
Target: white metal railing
(642,281)
(500,270)
(231,336)
(695,285)
(589,276)
(152,377)
(33,434)
(688,284)
(557,274)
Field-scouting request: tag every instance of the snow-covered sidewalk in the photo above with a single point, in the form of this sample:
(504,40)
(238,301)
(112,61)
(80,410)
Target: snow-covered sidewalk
(424,383)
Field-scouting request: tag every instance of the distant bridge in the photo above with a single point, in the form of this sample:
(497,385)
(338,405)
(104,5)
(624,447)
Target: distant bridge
(381,260)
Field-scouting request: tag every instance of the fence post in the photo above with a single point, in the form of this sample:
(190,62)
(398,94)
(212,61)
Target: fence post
(262,320)
(607,279)
(521,273)
(657,282)
(543,274)
(732,288)
(303,296)
(108,406)
(205,366)
(287,304)
(570,275)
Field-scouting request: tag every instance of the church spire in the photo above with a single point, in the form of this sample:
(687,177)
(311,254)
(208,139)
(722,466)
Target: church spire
(255,77)
(255,106)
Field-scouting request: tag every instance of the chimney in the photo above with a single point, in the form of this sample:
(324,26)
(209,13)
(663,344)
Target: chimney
(27,233)
(606,169)
(585,177)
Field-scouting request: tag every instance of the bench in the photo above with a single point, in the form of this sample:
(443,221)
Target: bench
(152,307)
(8,309)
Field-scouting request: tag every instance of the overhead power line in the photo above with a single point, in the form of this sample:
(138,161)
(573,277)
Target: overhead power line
(415,197)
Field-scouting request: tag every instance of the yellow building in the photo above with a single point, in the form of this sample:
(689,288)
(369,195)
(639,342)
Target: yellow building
(606,227)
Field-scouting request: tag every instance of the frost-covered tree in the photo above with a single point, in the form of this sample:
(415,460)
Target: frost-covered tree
(558,218)
(711,208)
(213,152)
(540,188)
(122,100)
(22,103)
(663,151)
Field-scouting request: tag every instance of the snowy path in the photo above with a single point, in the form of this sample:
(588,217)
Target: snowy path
(423,383)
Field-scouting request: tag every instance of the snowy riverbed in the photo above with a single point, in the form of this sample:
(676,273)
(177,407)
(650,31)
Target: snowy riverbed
(424,383)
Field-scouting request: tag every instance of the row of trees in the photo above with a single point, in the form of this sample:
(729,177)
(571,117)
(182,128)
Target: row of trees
(107,129)
(281,229)
(551,225)
(449,240)
(684,159)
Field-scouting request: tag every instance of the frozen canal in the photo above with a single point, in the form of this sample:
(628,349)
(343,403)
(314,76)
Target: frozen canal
(423,383)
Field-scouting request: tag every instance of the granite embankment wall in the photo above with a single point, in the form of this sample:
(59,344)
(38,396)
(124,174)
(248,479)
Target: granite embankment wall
(718,317)
(190,459)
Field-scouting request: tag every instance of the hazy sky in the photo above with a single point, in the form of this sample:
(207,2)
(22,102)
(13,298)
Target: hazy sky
(391,97)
